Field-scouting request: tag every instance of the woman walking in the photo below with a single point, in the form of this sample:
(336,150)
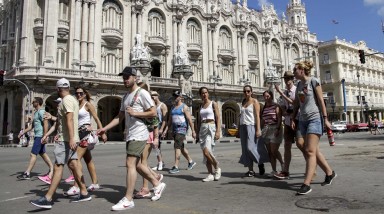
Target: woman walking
(272,132)
(86,113)
(309,98)
(252,149)
(209,133)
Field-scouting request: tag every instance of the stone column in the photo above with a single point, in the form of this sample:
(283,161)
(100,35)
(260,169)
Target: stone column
(26,37)
(133,25)
(91,33)
(50,32)
(215,38)
(139,23)
(210,54)
(76,40)
(84,33)
(239,55)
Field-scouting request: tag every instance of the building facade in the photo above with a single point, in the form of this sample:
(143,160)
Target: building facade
(345,79)
(90,41)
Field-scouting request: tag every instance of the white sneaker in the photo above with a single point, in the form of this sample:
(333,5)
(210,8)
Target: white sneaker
(209,178)
(217,174)
(272,174)
(158,191)
(93,187)
(72,191)
(160,167)
(123,204)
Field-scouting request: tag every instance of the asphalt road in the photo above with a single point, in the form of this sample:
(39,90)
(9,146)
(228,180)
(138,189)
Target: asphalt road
(357,158)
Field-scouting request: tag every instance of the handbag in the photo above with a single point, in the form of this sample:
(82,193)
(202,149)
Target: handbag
(93,138)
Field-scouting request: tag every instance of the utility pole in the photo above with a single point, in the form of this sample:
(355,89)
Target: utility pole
(360,97)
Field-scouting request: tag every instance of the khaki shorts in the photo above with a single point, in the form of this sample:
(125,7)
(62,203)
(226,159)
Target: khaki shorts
(63,153)
(268,133)
(179,140)
(135,148)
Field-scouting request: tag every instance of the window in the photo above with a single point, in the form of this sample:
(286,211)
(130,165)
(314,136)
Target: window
(194,32)
(328,75)
(156,24)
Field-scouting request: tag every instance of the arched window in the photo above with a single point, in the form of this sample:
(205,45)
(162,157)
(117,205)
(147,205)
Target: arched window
(111,60)
(194,32)
(225,39)
(275,50)
(156,24)
(112,15)
(252,46)
(61,56)
(294,52)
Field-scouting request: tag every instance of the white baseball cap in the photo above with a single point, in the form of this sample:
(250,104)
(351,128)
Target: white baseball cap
(62,83)
(58,100)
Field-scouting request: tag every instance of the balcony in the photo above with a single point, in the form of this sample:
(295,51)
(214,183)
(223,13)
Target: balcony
(38,28)
(156,43)
(327,81)
(63,29)
(112,35)
(226,54)
(194,50)
(253,60)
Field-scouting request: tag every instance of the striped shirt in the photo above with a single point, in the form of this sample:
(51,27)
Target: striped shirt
(269,114)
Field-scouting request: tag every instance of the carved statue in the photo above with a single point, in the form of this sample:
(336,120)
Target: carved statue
(272,73)
(138,50)
(181,56)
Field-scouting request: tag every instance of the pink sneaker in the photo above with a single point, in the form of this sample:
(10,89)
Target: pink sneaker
(70,179)
(45,179)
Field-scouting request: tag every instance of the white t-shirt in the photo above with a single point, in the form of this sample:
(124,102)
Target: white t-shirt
(135,127)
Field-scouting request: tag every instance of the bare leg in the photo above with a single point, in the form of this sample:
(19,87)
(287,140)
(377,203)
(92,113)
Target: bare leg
(57,175)
(91,166)
(78,175)
(32,162)
(131,162)
(185,153)
(48,161)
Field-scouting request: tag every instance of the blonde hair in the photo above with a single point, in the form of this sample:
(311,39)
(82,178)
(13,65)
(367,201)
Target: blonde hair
(306,66)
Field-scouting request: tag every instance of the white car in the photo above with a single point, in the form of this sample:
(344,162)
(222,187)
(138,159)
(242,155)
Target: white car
(339,126)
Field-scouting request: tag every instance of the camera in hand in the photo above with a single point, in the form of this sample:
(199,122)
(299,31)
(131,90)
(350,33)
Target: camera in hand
(290,110)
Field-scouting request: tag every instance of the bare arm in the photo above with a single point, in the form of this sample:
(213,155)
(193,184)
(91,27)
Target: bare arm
(217,120)
(256,110)
(112,124)
(164,114)
(49,132)
(189,118)
(71,130)
(320,99)
(92,111)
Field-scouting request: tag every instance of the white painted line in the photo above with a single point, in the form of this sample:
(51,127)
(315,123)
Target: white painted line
(12,199)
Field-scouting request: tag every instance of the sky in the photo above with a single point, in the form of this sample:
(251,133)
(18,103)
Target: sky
(355,20)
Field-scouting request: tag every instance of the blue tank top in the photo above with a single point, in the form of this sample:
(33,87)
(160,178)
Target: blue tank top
(179,123)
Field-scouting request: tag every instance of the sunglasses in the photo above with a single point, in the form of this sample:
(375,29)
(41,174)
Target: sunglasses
(246,91)
(79,93)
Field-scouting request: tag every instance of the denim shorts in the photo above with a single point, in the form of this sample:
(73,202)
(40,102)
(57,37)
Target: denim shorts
(38,148)
(314,126)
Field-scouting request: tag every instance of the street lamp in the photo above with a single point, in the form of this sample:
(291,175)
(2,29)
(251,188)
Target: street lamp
(333,105)
(360,97)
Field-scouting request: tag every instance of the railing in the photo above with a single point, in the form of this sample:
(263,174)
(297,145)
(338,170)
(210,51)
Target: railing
(113,31)
(63,23)
(166,81)
(156,39)
(39,21)
(194,45)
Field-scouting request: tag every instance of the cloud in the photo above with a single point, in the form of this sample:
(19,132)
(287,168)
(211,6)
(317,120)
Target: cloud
(265,2)
(377,4)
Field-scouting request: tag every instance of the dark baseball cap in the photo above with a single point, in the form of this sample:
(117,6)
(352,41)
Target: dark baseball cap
(129,71)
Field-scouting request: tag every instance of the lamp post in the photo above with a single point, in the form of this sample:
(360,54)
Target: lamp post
(333,105)
(360,98)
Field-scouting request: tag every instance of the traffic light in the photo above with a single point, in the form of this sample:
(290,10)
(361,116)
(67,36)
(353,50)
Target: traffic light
(362,56)
(2,72)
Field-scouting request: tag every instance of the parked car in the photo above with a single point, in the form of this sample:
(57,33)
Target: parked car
(357,127)
(339,126)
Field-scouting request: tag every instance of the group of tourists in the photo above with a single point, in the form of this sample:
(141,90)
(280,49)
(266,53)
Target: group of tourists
(302,113)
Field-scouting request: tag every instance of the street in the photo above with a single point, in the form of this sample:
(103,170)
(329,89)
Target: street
(357,158)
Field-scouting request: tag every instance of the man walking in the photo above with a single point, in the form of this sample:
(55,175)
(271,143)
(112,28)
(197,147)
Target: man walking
(179,120)
(162,111)
(40,127)
(135,106)
(65,149)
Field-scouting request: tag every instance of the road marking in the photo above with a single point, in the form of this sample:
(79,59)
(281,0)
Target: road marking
(12,199)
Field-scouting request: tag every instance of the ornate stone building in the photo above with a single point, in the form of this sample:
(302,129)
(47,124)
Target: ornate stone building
(90,41)
(344,78)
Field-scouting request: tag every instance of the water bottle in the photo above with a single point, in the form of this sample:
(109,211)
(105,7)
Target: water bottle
(331,138)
